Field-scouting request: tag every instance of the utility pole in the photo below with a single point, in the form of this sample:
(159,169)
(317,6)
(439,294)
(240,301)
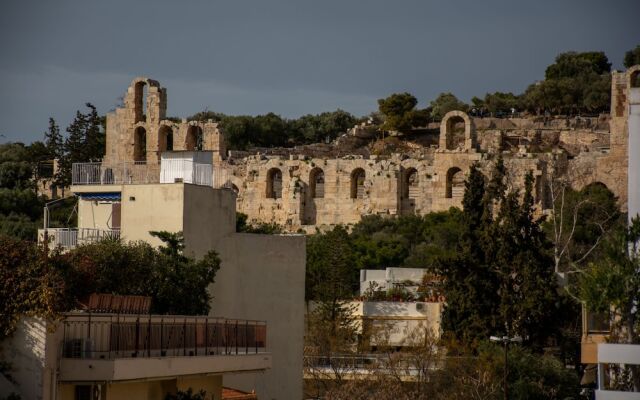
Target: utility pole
(506,340)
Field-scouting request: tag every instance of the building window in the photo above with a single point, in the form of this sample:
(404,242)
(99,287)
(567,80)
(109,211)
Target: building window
(274,184)
(140,144)
(411,188)
(195,139)
(166,139)
(455,183)
(357,183)
(316,183)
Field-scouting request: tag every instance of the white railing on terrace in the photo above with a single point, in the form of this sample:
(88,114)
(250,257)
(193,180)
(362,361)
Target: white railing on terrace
(187,171)
(69,238)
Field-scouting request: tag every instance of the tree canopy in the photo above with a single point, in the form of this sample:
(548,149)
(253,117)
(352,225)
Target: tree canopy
(632,57)
(45,284)
(400,112)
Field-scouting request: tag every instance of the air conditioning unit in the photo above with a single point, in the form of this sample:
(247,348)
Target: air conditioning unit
(78,348)
(420,307)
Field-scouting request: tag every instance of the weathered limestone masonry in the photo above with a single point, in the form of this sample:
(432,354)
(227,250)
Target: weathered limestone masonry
(301,189)
(139,131)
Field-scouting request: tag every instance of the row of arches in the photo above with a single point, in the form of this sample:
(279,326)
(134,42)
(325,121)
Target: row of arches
(194,141)
(410,183)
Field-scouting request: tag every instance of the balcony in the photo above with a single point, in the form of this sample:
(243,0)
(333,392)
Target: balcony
(112,347)
(167,171)
(69,238)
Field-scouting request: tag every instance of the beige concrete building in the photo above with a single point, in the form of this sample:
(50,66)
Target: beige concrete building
(118,356)
(324,185)
(261,276)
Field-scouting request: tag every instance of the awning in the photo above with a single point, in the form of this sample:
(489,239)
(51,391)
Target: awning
(109,196)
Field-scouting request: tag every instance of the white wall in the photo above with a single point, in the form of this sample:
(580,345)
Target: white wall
(25,351)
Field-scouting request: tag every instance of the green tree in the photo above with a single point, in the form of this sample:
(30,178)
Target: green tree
(444,103)
(611,285)
(581,219)
(85,142)
(572,64)
(176,283)
(576,82)
(400,113)
(33,283)
(632,57)
(53,140)
(501,281)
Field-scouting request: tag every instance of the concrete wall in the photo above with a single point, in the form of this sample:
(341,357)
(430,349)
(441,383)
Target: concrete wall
(151,208)
(25,350)
(262,278)
(95,214)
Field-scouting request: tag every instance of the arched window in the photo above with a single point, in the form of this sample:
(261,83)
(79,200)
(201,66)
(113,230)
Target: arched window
(165,138)
(195,139)
(274,184)
(140,101)
(455,132)
(410,186)
(316,183)
(140,144)
(455,183)
(357,183)
(635,79)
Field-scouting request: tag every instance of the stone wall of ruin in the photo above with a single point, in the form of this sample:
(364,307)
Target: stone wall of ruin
(425,178)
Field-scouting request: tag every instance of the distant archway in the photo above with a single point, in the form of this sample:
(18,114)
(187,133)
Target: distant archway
(455,183)
(457,131)
(357,183)
(140,101)
(140,144)
(195,139)
(634,78)
(274,184)
(165,138)
(316,183)
(410,184)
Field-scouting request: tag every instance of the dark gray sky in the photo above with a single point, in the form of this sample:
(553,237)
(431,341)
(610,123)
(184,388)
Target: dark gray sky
(289,57)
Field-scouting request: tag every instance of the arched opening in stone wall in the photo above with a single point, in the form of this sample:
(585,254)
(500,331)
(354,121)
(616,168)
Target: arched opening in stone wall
(410,184)
(316,183)
(594,186)
(274,184)
(357,183)
(455,132)
(140,144)
(195,139)
(634,79)
(140,101)
(455,183)
(165,138)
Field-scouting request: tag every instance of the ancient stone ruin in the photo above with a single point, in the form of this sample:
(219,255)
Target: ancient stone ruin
(337,183)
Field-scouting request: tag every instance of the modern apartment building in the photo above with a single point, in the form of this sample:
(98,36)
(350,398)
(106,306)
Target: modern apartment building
(261,276)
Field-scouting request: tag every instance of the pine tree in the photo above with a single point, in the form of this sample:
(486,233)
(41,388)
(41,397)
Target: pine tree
(502,280)
(94,135)
(53,140)
(74,149)
(85,142)
(469,284)
(529,299)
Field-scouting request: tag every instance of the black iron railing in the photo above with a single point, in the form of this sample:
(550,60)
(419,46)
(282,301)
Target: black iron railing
(99,336)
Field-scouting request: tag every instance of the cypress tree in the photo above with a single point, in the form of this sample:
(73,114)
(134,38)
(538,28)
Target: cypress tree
(53,140)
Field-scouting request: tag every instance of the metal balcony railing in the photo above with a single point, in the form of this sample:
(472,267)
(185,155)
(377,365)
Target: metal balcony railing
(122,173)
(111,336)
(69,238)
